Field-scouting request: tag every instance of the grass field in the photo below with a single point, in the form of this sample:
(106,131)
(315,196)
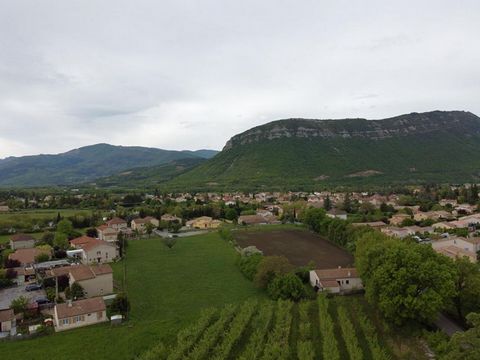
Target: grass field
(167,290)
(297,244)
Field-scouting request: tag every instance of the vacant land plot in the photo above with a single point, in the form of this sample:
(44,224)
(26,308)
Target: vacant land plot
(298,245)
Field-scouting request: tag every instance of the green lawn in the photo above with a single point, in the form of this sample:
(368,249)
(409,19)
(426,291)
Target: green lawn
(167,290)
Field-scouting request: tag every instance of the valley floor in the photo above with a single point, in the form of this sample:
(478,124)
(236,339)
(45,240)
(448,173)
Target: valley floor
(167,289)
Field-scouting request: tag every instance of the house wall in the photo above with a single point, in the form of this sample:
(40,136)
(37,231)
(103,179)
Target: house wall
(98,286)
(107,236)
(6,326)
(314,278)
(27,244)
(88,319)
(119,226)
(139,227)
(468,246)
(106,254)
(349,284)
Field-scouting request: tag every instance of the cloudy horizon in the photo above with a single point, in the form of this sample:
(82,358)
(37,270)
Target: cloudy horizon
(189,75)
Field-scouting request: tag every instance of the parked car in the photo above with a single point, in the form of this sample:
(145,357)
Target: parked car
(33,287)
(41,300)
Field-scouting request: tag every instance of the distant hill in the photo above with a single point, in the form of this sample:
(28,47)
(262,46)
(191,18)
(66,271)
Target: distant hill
(86,164)
(149,177)
(436,146)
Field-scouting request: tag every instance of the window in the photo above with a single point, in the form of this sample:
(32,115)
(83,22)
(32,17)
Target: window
(347,282)
(65,322)
(99,253)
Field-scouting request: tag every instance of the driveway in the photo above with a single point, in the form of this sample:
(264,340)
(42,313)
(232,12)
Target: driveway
(447,325)
(166,234)
(7,295)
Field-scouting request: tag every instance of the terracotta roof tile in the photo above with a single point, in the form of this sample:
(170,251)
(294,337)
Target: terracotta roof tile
(80,307)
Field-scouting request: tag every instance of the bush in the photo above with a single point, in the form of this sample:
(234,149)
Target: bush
(42,258)
(269,268)
(120,305)
(250,250)
(286,287)
(249,264)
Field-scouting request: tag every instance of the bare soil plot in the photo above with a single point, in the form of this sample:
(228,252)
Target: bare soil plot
(298,246)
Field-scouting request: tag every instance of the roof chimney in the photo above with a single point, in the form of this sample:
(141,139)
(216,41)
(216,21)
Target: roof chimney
(349,273)
(69,303)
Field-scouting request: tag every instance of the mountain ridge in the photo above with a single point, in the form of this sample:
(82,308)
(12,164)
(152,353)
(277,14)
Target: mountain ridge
(437,146)
(352,127)
(83,164)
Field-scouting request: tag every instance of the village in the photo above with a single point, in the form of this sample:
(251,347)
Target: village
(65,281)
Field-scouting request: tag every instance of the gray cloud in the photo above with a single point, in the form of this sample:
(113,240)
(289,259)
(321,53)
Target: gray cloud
(189,74)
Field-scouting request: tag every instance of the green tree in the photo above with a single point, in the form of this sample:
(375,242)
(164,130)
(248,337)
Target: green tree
(169,242)
(47,238)
(269,268)
(249,264)
(65,226)
(405,281)
(285,287)
(231,214)
(465,345)
(19,305)
(120,305)
(60,240)
(43,257)
(467,288)
(327,203)
(149,227)
(75,292)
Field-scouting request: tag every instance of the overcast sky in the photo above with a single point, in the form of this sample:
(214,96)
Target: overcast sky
(191,74)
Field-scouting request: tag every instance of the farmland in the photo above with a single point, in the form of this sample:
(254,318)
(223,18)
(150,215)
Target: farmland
(167,290)
(27,220)
(298,245)
(325,328)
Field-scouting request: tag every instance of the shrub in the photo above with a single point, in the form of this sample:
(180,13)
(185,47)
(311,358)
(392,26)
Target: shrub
(249,264)
(269,267)
(120,305)
(286,287)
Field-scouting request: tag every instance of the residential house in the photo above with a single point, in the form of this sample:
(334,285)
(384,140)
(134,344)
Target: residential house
(398,219)
(107,233)
(8,323)
(140,224)
(170,218)
(74,314)
(443,225)
(337,214)
(433,215)
(22,241)
(117,223)
(373,224)
(26,257)
(96,280)
(252,220)
(203,222)
(4,208)
(455,246)
(396,231)
(336,281)
(90,250)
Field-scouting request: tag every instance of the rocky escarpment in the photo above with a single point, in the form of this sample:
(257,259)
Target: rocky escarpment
(415,123)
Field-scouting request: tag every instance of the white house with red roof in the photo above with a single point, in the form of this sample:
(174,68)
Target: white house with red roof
(117,223)
(336,281)
(90,250)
